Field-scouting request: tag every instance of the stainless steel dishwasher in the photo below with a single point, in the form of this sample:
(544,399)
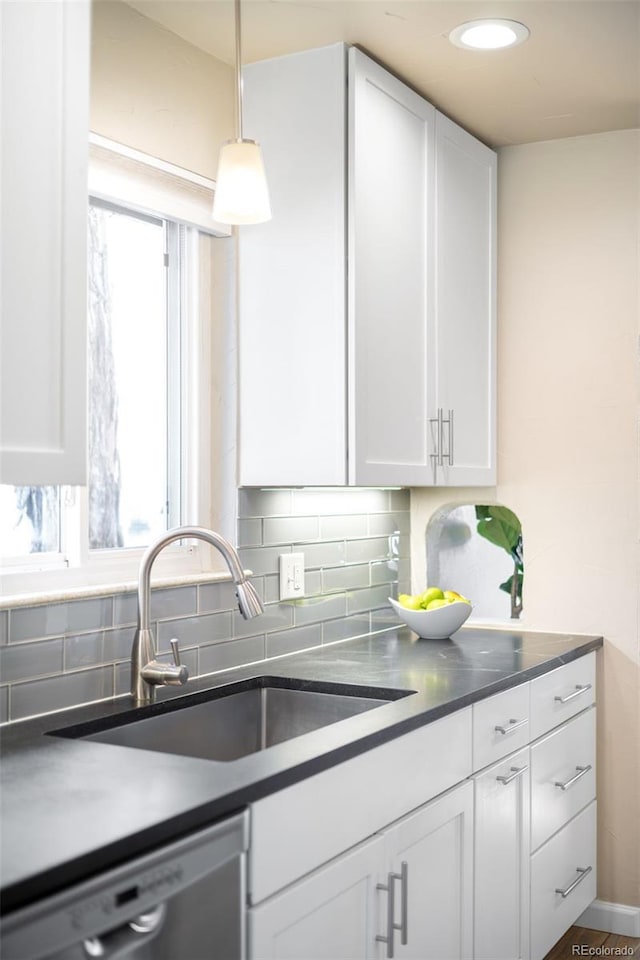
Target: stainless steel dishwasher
(184,901)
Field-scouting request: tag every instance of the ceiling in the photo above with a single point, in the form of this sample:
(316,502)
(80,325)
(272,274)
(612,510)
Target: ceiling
(578,73)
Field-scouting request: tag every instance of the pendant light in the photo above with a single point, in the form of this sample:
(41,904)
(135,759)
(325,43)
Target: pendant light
(242,195)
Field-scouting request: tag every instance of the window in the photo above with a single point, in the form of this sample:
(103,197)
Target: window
(161,385)
(138,324)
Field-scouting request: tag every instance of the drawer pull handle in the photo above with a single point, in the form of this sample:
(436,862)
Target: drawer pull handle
(574,779)
(513,725)
(515,772)
(580,688)
(583,871)
(392,926)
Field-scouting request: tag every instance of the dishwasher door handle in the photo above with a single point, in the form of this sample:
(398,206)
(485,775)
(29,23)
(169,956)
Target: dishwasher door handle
(126,940)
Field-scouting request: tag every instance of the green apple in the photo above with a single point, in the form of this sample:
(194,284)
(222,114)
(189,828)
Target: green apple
(438,602)
(409,601)
(453,595)
(431,593)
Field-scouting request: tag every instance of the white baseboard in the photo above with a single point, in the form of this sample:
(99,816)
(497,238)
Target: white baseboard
(611,918)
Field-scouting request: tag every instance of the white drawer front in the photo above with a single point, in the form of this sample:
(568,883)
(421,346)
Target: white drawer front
(500,725)
(559,695)
(297,829)
(563,775)
(568,864)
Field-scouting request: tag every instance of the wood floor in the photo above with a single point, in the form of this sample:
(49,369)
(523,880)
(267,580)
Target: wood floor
(565,949)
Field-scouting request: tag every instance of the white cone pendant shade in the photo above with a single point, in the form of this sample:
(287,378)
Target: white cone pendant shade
(242,195)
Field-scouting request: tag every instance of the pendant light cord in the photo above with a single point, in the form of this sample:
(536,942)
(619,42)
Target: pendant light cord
(238,73)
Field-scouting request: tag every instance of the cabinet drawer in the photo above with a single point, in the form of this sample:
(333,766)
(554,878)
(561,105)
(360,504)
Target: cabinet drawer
(500,725)
(562,693)
(567,863)
(563,775)
(305,825)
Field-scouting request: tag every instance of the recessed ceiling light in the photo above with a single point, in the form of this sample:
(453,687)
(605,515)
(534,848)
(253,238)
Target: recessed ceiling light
(489,34)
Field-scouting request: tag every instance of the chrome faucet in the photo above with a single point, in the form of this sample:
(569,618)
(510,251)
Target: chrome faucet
(146,671)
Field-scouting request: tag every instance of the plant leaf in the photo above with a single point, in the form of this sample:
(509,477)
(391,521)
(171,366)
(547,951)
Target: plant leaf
(500,526)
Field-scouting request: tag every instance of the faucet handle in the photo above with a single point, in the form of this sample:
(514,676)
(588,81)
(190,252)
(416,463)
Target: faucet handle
(175,648)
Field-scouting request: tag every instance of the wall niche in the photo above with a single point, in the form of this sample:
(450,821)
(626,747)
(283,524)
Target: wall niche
(477,549)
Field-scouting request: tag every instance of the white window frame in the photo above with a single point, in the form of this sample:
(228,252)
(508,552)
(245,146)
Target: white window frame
(75,568)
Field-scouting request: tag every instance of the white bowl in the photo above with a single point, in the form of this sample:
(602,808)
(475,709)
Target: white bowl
(435,624)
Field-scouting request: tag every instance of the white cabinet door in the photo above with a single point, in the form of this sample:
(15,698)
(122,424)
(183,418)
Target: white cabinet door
(436,844)
(45,127)
(391,219)
(501,873)
(329,916)
(292,346)
(465,308)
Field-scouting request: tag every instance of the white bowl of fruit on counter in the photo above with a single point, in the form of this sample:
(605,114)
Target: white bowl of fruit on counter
(434,614)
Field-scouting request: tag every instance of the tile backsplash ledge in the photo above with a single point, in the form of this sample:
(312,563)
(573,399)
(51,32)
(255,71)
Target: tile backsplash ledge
(356,548)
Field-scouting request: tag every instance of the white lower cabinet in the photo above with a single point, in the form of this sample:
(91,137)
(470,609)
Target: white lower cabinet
(430,864)
(353,863)
(329,914)
(405,893)
(501,860)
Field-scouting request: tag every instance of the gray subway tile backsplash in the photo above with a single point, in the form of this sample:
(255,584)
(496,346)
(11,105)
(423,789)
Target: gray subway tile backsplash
(345,578)
(56,693)
(356,548)
(233,653)
(290,641)
(56,619)
(23,661)
(176,602)
(195,631)
(290,529)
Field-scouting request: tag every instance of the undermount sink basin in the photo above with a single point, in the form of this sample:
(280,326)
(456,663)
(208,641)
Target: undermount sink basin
(235,721)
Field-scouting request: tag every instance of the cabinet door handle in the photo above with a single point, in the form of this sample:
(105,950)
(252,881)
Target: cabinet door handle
(450,451)
(404,902)
(569,783)
(392,926)
(583,871)
(389,887)
(515,773)
(511,726)
(437,457)
(580,688)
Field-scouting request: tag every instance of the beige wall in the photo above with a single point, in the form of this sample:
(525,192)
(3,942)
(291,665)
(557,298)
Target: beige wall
(153,91)
(568,435)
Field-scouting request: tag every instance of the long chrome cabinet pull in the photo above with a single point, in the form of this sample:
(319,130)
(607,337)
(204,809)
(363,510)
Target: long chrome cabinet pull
(438,456)
(404,903)
(569,783)
(389,887)
(515,772)
(580,688)
(392,926)
(511,726)
(583,871)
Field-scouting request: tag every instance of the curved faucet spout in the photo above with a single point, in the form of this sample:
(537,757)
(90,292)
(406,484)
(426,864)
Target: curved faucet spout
(146,671)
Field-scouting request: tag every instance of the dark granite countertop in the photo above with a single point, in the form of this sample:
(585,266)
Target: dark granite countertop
(71,808)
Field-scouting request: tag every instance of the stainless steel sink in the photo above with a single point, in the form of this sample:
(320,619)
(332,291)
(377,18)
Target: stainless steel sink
(232,722)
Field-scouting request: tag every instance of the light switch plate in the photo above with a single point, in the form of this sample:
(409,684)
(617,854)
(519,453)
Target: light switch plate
(291,575)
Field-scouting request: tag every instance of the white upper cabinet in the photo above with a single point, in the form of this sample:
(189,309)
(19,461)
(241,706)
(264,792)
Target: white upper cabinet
(292,346)
(45,122)
(390,276)
(464,347)
(367,308)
